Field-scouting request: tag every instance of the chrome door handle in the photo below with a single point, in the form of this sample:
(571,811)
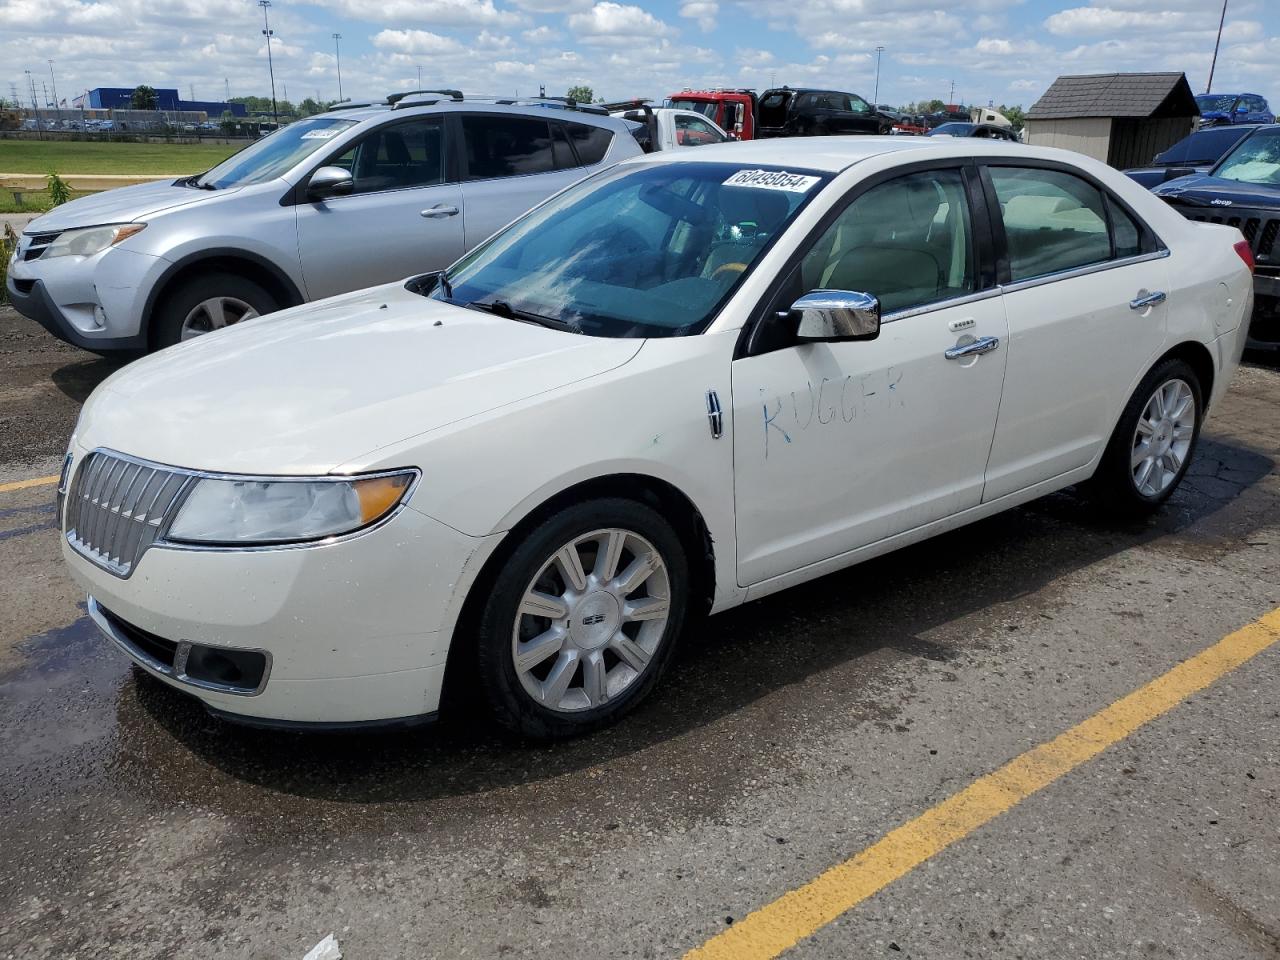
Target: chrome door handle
(436,212)
(975,349)
(1144,299)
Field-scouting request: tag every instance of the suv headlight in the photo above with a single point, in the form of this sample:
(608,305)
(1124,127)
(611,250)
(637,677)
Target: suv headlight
(253,511)
(87,241)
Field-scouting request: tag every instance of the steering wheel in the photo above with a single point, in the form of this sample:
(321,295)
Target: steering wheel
(728,268)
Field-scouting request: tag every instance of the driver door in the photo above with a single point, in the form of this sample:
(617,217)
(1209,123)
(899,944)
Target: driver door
(839,445)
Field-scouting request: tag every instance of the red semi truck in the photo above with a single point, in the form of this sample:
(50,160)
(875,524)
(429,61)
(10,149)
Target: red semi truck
(734,111)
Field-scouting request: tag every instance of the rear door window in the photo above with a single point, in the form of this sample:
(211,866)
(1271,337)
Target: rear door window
(1053,221)
(592,143)
(504,146)
(773,109)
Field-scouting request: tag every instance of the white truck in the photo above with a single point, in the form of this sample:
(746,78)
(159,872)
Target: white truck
(668,128)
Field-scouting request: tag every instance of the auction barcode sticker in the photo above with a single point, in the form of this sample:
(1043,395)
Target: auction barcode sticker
(772,180)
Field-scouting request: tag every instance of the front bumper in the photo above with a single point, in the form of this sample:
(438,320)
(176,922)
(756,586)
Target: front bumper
(355,632)
(1264,326)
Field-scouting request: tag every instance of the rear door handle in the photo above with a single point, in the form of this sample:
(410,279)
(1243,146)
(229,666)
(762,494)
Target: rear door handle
(438,211)
(1144,299)
(977,348)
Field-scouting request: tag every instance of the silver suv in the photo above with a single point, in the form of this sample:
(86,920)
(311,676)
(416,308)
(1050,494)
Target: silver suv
(364,194)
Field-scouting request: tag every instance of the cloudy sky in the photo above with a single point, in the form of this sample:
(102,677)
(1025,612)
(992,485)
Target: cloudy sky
(1006,51)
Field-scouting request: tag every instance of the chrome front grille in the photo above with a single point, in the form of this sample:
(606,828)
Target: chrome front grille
(118,507)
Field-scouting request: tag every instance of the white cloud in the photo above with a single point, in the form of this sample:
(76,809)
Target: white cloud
(414,42)
(542,34)
(618,23)
(703,11)
(435,13)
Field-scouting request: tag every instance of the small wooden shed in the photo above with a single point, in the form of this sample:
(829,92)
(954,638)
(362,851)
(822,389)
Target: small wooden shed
(1123,119)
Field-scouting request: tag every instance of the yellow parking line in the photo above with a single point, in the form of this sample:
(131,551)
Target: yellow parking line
(782,924)
(24,484)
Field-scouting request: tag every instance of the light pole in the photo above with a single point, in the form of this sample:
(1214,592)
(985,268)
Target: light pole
(1216,43)
(337,56)
(31,81)
(419,78)
(266,32)
(876,96)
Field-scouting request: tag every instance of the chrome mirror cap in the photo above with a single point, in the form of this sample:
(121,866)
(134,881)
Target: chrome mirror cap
(330,182)
(827,315)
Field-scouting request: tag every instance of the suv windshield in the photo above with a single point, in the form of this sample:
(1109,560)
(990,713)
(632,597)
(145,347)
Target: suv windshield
(637,251)
(1255,159)
(275,154)
(1212,102)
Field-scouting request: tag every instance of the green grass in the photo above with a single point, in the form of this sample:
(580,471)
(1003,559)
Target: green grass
(80,156)
(32,202)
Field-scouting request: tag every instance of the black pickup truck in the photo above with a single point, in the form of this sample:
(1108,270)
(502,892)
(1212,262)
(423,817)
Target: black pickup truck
(1242,190)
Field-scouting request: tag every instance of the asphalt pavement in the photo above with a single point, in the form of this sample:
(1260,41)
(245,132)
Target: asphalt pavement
(790,737)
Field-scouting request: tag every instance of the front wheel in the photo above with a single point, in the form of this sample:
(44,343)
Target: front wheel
(1152,446)
(207,303)
(582,619)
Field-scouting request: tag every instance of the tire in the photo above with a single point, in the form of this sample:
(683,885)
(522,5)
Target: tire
(183,310)
(1115,484)
(576,675)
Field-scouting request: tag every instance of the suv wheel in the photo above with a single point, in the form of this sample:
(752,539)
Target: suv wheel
(582,619)
(209,302)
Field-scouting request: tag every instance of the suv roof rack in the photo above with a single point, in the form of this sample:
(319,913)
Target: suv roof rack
(349,106)
(395,98)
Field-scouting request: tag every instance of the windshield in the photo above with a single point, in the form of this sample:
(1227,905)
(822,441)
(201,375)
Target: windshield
(638,251)
(1215,103)
(952,129)
(708,108)
(1255,159)
(275,154)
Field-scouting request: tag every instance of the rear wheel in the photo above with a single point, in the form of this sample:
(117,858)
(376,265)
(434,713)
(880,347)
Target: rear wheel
(1152,446)
(207,303)
(582,619)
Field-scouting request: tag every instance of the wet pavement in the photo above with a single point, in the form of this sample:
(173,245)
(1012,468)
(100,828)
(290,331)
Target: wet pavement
(787,736)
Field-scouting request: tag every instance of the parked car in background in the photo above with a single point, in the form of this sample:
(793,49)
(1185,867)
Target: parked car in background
(666,128)
(357,196)
(1226,108)
(1242,190)
(887,111)
(733,110)
(787,112)
(530,470)
(983,131)
(1194,153)
(912,126)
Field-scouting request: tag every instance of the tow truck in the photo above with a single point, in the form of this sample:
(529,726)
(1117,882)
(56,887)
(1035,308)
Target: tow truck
(733,110)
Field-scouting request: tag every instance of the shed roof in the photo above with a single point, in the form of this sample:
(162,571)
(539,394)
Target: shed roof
(1116,95)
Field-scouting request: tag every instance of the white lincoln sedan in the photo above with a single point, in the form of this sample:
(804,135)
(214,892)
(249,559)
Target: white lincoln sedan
(681,384)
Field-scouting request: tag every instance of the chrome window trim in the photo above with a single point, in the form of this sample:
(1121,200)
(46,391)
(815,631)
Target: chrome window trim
(177,672)
(930,307)
(162,542)
(1083,271)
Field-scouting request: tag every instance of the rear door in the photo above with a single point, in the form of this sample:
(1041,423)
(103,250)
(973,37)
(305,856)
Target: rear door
(1084,285)
(401,217)
(511,163)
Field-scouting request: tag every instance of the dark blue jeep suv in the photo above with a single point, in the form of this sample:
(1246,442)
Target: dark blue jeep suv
(1223,108)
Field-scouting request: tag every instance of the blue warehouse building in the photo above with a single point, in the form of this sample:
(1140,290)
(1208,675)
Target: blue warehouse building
(118,98)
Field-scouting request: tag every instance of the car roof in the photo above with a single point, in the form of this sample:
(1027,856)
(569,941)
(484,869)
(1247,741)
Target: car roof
(446,105)
(834,154)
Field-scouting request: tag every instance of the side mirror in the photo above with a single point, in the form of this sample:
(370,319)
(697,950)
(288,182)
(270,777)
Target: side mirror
(834,315)
(330,182)
(1242,109)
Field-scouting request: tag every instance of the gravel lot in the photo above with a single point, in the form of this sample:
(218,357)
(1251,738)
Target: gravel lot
(790,735)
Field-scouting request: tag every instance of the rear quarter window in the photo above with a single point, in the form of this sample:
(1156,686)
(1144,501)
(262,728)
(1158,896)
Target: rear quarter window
(592,143)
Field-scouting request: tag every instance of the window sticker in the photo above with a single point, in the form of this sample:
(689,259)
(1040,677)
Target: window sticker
(325,133)
(772,180)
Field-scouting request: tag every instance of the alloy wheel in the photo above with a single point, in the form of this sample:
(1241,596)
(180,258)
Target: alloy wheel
(214,314)
(1162,439)
(591,620)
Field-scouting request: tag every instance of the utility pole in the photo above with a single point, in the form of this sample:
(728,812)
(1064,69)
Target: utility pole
(876,96)
(54,81)
(1208,88)
(31,81)
(337,56)
(226,89)
(419,78)
(266,32)
(951,102)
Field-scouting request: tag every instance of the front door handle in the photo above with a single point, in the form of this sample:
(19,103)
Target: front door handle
(977,348)
(438,211)
(1144,299)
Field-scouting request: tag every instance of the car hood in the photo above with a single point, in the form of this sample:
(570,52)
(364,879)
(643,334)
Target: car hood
(121,205)
(307,389)
(1200,189)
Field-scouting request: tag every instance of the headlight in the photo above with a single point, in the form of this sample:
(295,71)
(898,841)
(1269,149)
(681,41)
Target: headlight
(90,240)
(251,511)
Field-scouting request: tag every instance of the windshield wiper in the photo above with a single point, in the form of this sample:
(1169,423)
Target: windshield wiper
(445,285)
(501,308)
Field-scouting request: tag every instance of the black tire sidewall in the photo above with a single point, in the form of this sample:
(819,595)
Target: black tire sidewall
(512,706)
(1113,481)
(173,309)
